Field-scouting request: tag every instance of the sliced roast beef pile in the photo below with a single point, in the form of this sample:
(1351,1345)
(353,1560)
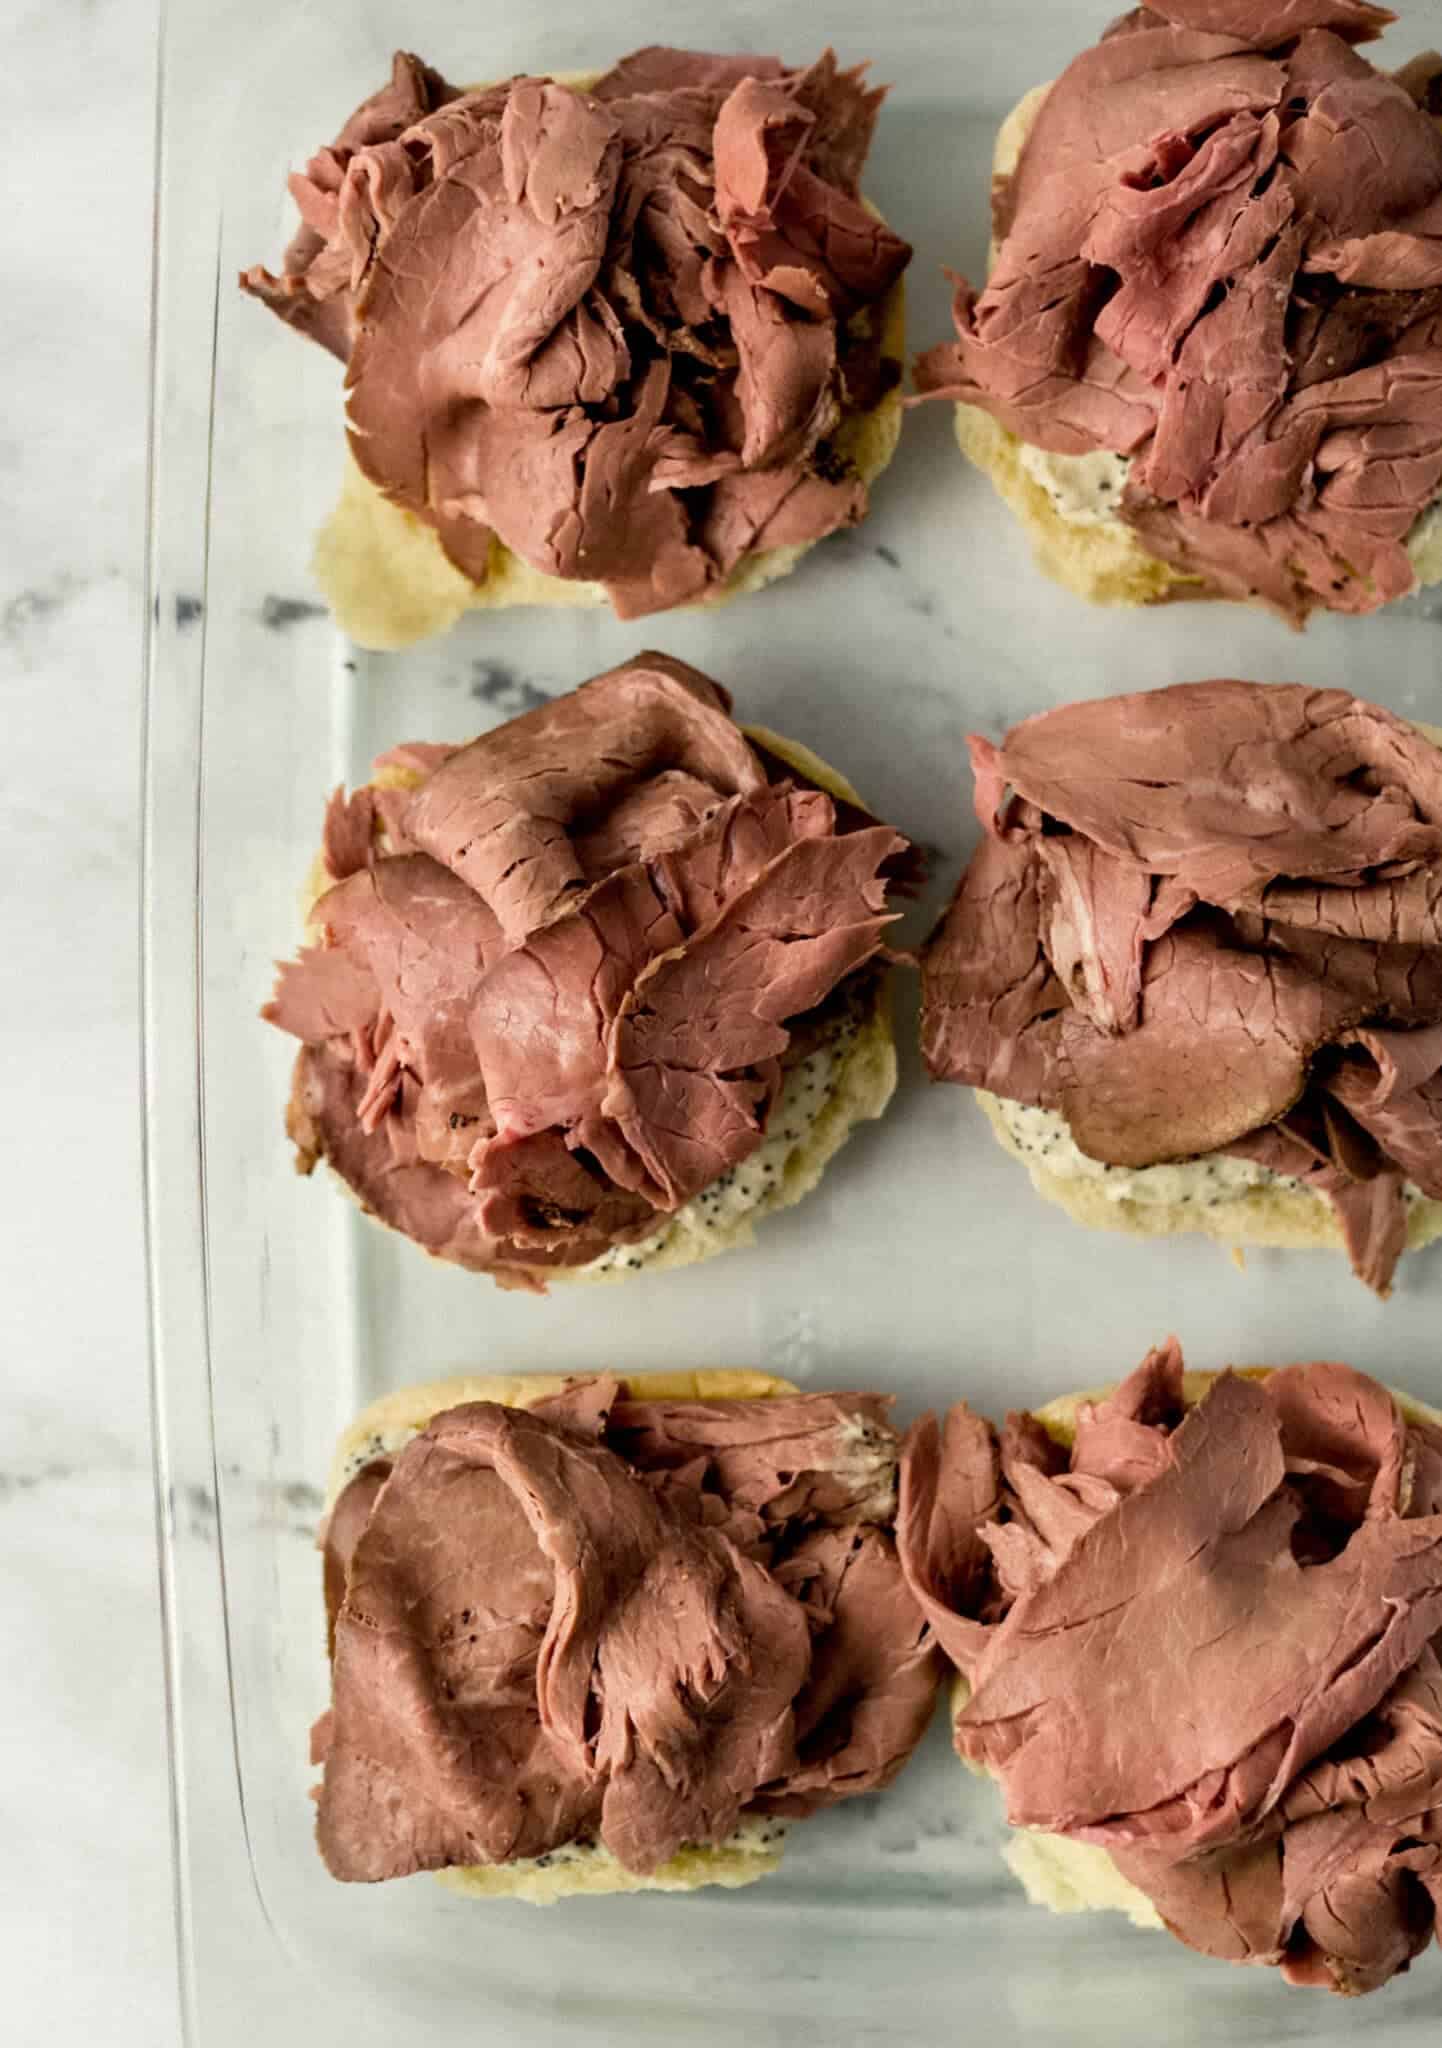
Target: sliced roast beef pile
(615,329)
(1220,254)
(619,1621)
(1209,919)
(556,983)
(1212,1644)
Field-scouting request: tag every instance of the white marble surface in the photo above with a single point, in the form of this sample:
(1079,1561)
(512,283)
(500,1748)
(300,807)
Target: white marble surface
(85,1904)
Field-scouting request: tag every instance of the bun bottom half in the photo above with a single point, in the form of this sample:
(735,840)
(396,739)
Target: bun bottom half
(1269,1218)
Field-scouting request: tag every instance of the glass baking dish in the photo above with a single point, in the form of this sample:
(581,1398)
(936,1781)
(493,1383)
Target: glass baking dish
(924,1265)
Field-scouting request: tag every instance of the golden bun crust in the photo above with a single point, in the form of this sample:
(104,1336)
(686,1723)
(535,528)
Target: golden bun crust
(1080,1877)
(1059,1418)
(1106,564)
(385,1424)
(1102,562)
(579,1869)
(390,583)
(590,1870)
(862,1086)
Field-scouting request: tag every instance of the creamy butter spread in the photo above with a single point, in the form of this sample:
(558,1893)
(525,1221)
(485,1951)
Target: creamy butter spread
(1044,1139)
(756,1835)
(1085,490)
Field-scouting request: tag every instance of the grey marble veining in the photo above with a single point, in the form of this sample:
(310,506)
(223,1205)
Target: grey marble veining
(85,1903)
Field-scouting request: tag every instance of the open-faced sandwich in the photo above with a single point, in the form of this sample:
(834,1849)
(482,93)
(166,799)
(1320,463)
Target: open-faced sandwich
(631,338)
(1207,361)
(610,1634)
(1195,967)
(1198,1626)
(599,991)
